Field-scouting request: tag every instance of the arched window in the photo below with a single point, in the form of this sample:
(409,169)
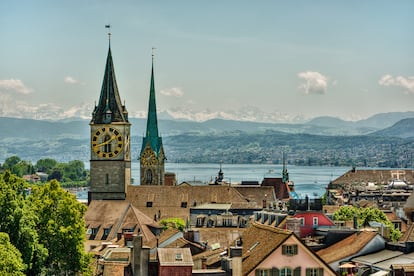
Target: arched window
(148,177)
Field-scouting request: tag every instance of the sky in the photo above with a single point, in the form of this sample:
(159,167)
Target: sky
(258,60)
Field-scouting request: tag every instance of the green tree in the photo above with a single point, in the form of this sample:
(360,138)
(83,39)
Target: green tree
(11,262)
(366,215)
(18,220)
(22,168)
(46,165)
(61,228)
(10,162)
(177,223)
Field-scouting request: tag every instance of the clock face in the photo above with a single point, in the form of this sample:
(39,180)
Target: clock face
(107,142)
(148,158)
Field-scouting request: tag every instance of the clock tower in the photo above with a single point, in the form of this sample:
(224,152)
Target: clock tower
(110,163)
(152,156)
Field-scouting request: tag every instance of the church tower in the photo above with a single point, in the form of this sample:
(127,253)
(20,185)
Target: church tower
(110,163)
(152,156)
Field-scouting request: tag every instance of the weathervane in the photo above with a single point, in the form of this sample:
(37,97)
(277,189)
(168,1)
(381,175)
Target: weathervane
(109,33)
(152,53)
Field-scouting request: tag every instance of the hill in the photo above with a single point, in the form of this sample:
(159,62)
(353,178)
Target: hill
(402,129)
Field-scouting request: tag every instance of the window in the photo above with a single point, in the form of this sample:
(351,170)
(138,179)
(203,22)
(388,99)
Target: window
(314,271)
(267,272)
(200,221)
(290,249)
(107,179)
(178,257)
(315,221)
(148,177)
(302,221)
(397,225)
(286,271)
(183,204)
(94,232)
(149,203)
(106,233)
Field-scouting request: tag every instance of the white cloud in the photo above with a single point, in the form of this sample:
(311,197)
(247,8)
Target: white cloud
(406,83)
(172,92)
(71,80)
(313,83)
(15,85)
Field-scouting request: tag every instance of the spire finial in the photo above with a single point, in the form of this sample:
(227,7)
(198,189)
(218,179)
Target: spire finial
(152,54)
(109,33)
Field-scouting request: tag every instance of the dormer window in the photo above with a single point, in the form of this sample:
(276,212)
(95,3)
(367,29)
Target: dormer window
(178,257)
(106,232)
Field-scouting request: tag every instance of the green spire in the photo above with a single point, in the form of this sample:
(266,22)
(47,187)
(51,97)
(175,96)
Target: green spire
(151,135)
(109,108)
(285,174)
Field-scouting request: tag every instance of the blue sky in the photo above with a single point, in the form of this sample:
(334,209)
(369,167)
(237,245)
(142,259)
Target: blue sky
(349,59)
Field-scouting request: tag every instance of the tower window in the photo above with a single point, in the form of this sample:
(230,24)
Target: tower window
(148,177)
(107,179)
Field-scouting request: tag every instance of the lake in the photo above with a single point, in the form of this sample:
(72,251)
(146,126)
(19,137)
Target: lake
(309,181)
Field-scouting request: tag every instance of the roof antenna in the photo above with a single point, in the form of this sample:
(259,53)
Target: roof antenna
(109,33)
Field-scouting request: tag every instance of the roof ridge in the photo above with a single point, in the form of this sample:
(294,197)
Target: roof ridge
(271,228)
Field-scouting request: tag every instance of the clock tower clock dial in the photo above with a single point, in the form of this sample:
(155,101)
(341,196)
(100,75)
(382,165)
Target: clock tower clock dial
(107,142)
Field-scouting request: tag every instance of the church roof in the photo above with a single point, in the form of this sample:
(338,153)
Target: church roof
(109,100)
(151,135)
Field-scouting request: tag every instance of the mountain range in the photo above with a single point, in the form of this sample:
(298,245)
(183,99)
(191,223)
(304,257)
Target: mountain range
(79,128)
(385,139)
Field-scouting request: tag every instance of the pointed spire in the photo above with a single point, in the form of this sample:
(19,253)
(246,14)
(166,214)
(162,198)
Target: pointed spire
(109,108)
(151,134)
(285,174)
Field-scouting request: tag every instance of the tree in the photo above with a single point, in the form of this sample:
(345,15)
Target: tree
(10,162)
(61,228)
(11,262)
(46,165)
(19,222)
(366,215)
(177,223)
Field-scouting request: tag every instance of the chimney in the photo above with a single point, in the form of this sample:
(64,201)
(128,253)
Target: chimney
(355,222)
(236,259)
(293,224)
(204,263)
(140,257)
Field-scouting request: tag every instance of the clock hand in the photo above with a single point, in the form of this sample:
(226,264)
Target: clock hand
(106,142)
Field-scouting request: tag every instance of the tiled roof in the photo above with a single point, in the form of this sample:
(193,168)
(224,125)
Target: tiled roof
(222,236)
(281,189)
(347,247)
(408,235)
(257,194)
(118,215)
(376,176)
(175,257)
(258,242)
(168,199)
